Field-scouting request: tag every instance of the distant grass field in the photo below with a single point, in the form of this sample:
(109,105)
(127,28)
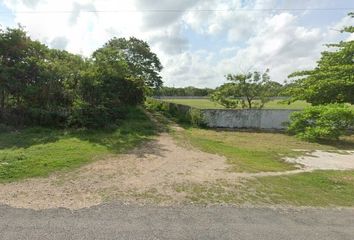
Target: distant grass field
(207,104)
(34,152)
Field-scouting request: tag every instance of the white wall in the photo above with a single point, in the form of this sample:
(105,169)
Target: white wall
(247,118)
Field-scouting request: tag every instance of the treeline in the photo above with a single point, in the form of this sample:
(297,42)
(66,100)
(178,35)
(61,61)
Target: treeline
(186,91)
(50,87)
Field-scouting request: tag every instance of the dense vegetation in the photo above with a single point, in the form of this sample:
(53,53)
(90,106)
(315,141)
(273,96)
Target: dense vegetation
(322,122)
(50,87)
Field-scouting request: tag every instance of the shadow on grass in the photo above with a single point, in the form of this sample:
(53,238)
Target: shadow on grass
(345,143)
(24,138)
(135,128)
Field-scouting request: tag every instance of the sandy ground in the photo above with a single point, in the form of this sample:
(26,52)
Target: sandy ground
(149,172)
(320,160)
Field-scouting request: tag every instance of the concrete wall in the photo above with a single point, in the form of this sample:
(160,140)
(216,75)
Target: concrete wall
(247,118)
(240,118)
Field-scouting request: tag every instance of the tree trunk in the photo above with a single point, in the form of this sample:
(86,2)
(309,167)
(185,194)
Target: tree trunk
(249,100)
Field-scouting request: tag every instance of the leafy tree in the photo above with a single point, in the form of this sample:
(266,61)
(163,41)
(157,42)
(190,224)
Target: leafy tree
(332,80)
(142,62)
(251,90)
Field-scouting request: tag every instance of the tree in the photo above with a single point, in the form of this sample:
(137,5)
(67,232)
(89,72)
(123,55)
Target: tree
(43,86)
(142,62)
(246,90)
(119,85)
(332,81)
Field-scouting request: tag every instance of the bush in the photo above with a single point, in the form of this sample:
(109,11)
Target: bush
(181,113)
(196,117)
(323,122)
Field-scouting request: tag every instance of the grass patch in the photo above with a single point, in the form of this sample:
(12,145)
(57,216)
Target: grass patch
(256,151)
(207,104)
(35,152)
(320,188)
(316,189)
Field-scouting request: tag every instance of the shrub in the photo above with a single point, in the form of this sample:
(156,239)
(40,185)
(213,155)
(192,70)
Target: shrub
(323,122)
(196,117)
(181,113)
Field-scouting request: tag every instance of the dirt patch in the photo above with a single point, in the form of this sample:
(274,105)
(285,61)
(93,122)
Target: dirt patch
(320,160)
(149,171)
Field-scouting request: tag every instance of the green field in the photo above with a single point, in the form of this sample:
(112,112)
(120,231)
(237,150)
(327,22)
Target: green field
(207,104)
(34,152)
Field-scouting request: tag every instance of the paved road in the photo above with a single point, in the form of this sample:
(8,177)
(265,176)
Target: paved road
(115,221)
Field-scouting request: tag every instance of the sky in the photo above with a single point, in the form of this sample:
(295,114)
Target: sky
(198,42)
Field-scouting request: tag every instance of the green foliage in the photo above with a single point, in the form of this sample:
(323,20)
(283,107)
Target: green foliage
(50,87)
(141,62)
(251,90)
(332,81)
(196,117)
(181,113)
(323,122)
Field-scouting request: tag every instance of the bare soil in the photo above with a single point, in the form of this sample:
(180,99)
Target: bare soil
(148,173)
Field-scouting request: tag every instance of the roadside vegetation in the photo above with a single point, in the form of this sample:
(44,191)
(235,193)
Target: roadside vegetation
(36,151)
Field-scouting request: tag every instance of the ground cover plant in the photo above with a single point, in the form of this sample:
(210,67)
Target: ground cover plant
(33,152)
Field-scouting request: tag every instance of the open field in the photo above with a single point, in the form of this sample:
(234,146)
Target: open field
(207,104)
(34,152)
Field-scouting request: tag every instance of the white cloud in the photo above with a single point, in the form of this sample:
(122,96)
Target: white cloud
(227,41)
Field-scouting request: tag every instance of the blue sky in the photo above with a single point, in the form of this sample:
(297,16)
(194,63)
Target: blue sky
(196,47)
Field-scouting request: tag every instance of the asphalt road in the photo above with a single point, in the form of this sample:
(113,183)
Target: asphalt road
(115,221)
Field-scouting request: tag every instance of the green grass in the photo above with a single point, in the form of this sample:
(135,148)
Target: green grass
(320,188)
(260,151)
(207,104)
(35,152)
(256,151)
(316,189)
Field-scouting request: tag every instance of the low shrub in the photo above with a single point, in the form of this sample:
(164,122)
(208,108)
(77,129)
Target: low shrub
(323,122)
(181,113)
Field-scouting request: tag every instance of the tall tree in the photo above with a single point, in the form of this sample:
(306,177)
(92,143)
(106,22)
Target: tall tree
(332,80)
(142,62)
